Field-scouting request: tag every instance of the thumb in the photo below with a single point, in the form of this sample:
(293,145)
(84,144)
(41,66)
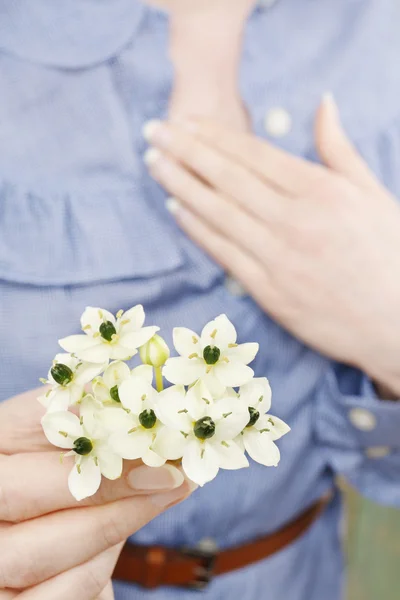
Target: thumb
(335,148)
(20,427)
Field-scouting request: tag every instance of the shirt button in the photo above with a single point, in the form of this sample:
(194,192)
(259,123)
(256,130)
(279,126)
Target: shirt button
(377,451)
(362,419)
(234,287)
(278,122)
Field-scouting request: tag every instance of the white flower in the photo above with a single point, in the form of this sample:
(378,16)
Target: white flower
(87,440)
(136,428)
(200,431)
(155,352)
(106,388)
(108,337)
(262,429)
(68,377)
(214,357)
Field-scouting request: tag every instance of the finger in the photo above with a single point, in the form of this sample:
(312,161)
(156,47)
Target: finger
(219,170)
(236,261)
(20,428)
(287,173)
(335,148)
(8,594)
(86,581)
(36,550)
(107,593)
(215,209)
(35,484)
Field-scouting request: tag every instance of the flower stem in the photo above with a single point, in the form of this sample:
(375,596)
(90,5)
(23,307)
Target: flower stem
(159,379)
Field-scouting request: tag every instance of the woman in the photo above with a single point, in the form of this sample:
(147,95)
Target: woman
(312,254)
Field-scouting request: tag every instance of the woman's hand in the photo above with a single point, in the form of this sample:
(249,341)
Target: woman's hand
(50,545)
(318,247)
(205,48)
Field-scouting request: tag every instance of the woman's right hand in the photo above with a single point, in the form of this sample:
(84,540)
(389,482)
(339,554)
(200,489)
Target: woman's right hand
(51,546)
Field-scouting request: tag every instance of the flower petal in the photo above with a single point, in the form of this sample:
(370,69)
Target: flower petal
(277,427)
(171,410)
(78,342)
(232,374)
(198,400)
(64,421)
(261,447)
(200,462)
(88,371)
(85,483)
(230,416)
(59,399)
(109,462)
(257,394)
(170,443)
(152,459)
(244,353)
(230,455)
(100,391)
(132,392)
(143,371)
(116,373)
(93,317)
(213,384)
(86,348)
(131,445)
(135,339)
(135,317)
(183,371)
(114,419)
(186,342)
(220,332)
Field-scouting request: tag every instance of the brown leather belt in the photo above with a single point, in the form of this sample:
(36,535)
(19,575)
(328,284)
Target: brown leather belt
(154,566)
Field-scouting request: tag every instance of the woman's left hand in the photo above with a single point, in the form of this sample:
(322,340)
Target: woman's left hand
(318,247)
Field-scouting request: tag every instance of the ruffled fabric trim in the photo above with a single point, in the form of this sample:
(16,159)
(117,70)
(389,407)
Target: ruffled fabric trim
(62,239)
(71,33)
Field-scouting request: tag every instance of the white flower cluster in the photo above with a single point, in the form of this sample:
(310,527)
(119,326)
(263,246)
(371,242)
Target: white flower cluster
(104,412)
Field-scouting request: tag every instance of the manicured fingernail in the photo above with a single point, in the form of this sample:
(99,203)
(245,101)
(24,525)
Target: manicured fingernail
(151,478)
(172,205)
(329,102)
(151,156)
(169,498)
(150,129)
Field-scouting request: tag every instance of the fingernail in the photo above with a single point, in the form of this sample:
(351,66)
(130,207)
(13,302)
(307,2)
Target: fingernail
(151,478)
(150,129)
(151,156)
(169,498)
(172,205)
(329,101)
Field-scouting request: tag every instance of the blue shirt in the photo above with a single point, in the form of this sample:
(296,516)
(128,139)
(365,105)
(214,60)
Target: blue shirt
(81,223)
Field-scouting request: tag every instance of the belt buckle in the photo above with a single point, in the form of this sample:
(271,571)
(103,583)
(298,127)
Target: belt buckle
(207,552)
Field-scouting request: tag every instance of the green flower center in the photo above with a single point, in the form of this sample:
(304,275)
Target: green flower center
(107,330)
(211,354)
(147,418)
(204,428)
(114,394)
(61,374)
(83,446)
(254,416)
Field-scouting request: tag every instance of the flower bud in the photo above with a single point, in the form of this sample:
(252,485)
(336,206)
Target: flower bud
(155,352)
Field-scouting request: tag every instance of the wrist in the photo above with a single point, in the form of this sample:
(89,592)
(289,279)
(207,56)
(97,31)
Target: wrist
(206,56)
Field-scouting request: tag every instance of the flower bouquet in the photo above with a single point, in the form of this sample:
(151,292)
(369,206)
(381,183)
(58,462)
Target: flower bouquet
(102,412)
